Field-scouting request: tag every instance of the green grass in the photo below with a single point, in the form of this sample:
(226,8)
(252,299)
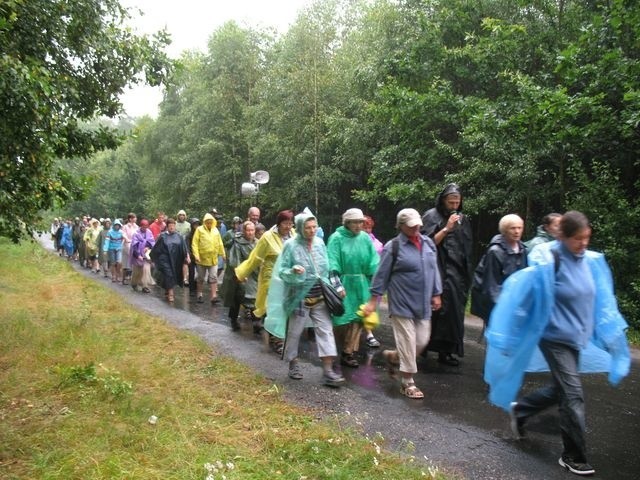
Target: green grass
(81,372)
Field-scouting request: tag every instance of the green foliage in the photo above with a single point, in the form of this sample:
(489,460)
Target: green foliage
(531,107)
(78,375)
(85,377)
(62,63)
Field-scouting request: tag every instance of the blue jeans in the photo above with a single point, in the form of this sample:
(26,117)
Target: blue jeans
(565,391)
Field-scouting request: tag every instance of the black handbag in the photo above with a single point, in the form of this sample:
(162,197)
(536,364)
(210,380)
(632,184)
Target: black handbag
(332,299)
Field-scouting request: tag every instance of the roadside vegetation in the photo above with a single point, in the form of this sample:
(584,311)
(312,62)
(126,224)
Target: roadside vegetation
(91,388)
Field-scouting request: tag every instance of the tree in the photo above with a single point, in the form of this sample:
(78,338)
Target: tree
(62,63)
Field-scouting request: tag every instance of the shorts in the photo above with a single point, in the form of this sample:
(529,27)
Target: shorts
(209,272)
(115,256)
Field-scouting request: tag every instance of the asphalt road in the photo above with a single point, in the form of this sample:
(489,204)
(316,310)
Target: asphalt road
(454,427)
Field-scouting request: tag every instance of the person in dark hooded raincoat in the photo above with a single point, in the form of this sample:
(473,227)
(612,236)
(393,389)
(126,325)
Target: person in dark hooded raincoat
(451,232)
(169,254)
(235,293)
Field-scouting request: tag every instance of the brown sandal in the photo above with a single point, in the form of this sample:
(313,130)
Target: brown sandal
(410,390)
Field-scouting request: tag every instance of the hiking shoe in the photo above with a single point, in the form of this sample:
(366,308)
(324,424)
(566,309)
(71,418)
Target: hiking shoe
(332,379)
(295,372)
(576,467)
(373,342)
(349,360)
(200,299)
(516,424)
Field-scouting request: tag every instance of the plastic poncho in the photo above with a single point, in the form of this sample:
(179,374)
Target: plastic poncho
(520,318)
(114,239)
(67,239)
(238,250)
(288,289)
(91,239)
(541,236)
(169,254)
(206,244)
(263,257)
(355,260)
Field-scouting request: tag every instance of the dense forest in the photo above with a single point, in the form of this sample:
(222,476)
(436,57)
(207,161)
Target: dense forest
(530,106)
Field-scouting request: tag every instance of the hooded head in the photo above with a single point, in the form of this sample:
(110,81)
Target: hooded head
(118,222)
(441,200)
(299,222)
(212,222)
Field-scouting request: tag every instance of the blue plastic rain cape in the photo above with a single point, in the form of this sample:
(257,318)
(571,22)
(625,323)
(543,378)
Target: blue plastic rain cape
(520,317)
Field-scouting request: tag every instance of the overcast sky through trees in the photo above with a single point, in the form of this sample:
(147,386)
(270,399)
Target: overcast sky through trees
(191,22)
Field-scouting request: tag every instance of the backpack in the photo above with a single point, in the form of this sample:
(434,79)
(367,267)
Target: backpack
(481,304)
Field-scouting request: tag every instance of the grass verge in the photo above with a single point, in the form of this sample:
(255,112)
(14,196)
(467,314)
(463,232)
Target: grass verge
(91,388)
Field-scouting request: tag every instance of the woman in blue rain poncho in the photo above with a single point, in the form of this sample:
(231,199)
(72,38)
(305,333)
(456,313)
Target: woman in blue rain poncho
(563,304)
(295,298)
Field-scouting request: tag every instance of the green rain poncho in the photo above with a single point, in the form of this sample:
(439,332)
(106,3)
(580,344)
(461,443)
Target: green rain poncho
(288,289)
(354,258)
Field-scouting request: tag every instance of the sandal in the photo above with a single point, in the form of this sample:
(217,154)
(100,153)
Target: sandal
(410,390)
(392,361)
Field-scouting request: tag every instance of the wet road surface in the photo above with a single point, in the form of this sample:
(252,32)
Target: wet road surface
(454,427)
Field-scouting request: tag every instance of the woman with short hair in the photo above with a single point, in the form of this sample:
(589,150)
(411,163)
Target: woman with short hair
(506,254)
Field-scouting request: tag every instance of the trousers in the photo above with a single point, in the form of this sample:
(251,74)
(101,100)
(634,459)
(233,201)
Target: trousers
(564,391)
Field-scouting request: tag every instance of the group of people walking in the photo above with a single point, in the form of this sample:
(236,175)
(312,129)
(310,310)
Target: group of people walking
(426,273)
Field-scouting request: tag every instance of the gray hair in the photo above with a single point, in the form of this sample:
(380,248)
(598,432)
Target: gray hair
(508,221)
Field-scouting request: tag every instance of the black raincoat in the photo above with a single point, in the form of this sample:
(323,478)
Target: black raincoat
(169,254)
(456,269)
